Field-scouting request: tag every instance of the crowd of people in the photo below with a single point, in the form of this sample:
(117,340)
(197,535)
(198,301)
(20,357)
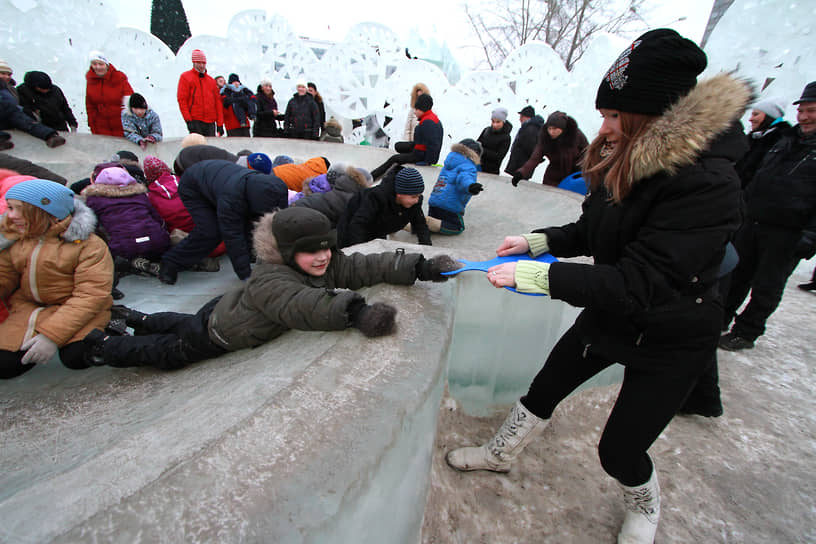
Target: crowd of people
(684,214)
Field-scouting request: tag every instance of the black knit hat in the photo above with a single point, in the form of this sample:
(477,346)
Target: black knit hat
(472,144)
(423,102)
(37,80)
(409,181)
(809,94)
(527,111)
(557,119)
(303,229)
(651,74)
(137,101)
(233,78)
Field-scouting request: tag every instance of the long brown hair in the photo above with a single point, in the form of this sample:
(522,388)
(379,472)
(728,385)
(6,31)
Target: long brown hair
(38,221)
(614,170)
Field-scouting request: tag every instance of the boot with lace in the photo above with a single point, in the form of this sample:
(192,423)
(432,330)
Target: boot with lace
(642,512)
(520,427)
(145,266)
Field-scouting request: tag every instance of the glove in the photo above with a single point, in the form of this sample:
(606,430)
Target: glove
(374,320)
(516,178)
(39,350)
(806,246)
(220,130)
(475,188)
(151,139)
(143,143)
(431,269)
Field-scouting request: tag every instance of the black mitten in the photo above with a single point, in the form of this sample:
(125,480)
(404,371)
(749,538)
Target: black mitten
(431,269)
(516,179)
(475,188)
(377,319)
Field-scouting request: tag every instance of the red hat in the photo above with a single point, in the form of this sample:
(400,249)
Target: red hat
(154,168)
(199,56)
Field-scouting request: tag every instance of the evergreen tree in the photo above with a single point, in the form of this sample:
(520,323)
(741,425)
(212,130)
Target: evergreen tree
(168,22)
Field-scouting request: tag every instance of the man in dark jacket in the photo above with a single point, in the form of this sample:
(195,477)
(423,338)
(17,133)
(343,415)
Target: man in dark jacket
(302,117)
(385,208)
(301,282)
(223,199)
(427,142)
(495,141)
(197,153)
(42,99)
(779,230)
(12,116)
(525,140)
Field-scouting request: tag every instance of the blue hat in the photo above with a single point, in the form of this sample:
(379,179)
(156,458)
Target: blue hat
(260,162)
(409,181)
(49,196)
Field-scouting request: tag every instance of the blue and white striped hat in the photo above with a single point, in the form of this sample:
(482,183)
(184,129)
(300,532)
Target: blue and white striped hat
(50,196)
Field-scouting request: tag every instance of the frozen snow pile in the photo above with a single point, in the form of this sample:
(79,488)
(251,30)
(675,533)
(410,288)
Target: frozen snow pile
(369,74)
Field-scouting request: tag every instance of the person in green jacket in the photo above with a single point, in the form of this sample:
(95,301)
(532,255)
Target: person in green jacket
(301,282)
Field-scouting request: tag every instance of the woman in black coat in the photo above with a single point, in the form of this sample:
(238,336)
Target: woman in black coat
(302,117)
(495,141)
(663,203)
(266,118)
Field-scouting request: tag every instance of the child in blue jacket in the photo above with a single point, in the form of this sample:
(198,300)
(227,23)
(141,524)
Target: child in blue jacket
(454,187)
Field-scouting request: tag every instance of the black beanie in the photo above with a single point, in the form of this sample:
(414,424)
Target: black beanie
(302,229)
(423,102)
(38,80)
(473,145)
(651,74)
(137,101)
(409,181)
(233,78)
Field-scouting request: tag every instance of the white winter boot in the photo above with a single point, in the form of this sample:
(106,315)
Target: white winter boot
(642,512)
(520,427)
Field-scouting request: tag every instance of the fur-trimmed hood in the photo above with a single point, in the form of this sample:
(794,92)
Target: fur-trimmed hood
(264,241)
(333,127)
(689,127)
(77,226)
(113,191)
(466,152)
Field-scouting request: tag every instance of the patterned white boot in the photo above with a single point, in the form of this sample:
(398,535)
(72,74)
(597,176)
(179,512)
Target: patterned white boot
(642,512)
(520,427)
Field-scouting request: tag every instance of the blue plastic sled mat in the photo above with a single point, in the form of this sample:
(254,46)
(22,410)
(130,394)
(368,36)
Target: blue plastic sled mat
(484,265)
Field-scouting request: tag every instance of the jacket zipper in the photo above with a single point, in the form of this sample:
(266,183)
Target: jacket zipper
(32,271)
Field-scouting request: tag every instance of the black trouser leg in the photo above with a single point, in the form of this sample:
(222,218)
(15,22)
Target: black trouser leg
(399,158)
(11,365)
(200,127)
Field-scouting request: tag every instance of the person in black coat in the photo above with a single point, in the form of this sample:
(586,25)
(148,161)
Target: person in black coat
(661,209)
(562,143)
(385,208)
(779,228)
(223,199)
(767,127)
(45,101)
(267,116)
(495,141)
(194,154)
(302,116)
(526,139)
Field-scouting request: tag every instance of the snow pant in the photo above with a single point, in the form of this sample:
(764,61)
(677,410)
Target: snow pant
(648,399)
(165,340)
(203,239)
(201,127)
(766,263)
(405,154)
(452,223)
(13,117)
(11,362)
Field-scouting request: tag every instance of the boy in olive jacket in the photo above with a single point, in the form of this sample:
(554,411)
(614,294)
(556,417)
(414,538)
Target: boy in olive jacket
(301,282)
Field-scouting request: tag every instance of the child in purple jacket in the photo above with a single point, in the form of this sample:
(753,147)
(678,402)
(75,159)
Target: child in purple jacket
(133,226)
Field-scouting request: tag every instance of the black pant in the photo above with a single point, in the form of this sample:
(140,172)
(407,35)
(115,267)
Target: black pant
(240,132)
(405,154)
(766,263)
(200,127)
(205,236)
(646,403)
(13,117)
(11,364)
(165,340)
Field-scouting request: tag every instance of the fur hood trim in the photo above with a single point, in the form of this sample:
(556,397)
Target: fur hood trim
(77,226)
(678,137)
(359,177)
(113,191)
(264,241)
(466,152)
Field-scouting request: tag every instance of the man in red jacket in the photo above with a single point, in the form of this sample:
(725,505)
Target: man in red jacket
(198,98)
